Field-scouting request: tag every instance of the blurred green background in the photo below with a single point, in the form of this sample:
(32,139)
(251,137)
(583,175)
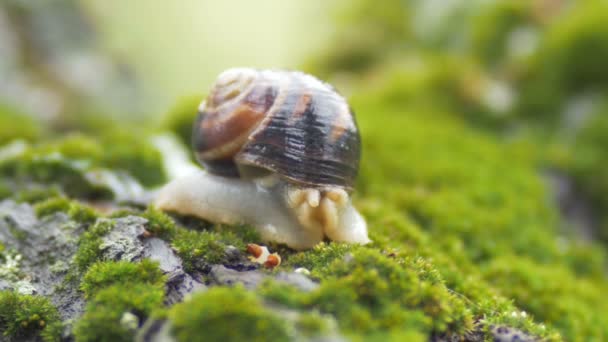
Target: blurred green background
(484,127)
(179,47)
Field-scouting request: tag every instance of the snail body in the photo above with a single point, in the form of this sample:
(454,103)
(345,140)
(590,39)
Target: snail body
(281,151)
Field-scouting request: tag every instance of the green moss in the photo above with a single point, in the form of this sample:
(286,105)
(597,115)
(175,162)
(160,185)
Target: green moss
(451,200)
(206,247)
(312,324)
(564,66)
(131,151)
(69,163)
(205,317)
(366,35)
(160,224)
(369,292)
(25,316)
(5,190)
(106,313)
(180,118)
(546,292)
(76,211)
(587,160)
(52,206)
(317,258)
(37,194)
(103,274)
(89,243)
(17,125)
(118,293)
(493,25)
(62,164)
(194,246)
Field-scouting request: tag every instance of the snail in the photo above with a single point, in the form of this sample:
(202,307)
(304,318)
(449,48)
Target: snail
(280,151)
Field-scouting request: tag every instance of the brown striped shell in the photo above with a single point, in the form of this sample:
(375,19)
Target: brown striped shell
(255,122)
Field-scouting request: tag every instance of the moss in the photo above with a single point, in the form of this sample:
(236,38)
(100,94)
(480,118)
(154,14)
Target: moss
(25,316)
(312,324)
(104,312)
(116,290)
(180,118)
(160,224)
(37,194)
(320,256)
(15,124)
(194,246)
(68,162)
(369,292)
(586,160)
(124,213)
(453,202)
(563,66)
(5,190)
(52,206)
(200,248)
(89,243)
(76,211)
(366,35)
(62,164)
(102,274)
(493,26)
(204,317)
(132,152)
(546,292)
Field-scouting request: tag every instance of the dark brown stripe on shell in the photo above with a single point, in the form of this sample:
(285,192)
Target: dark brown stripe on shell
(298,144)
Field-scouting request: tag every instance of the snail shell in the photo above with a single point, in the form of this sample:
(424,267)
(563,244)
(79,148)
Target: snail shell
(257,122)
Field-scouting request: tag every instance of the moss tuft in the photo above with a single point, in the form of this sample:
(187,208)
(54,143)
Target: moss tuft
(205,317)
(103,274)
(312,324)
(317,259)
(104,320)
(200,248)
(88,245)
(27,128)
(26,316)
(117,290)
(160,224)
(37,194)
(194,247)
(76,211)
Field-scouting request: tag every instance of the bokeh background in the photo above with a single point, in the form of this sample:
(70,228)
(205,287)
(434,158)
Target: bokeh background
(485,122)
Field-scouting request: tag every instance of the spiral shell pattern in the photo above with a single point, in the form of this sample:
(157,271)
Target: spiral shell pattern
(256,122)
